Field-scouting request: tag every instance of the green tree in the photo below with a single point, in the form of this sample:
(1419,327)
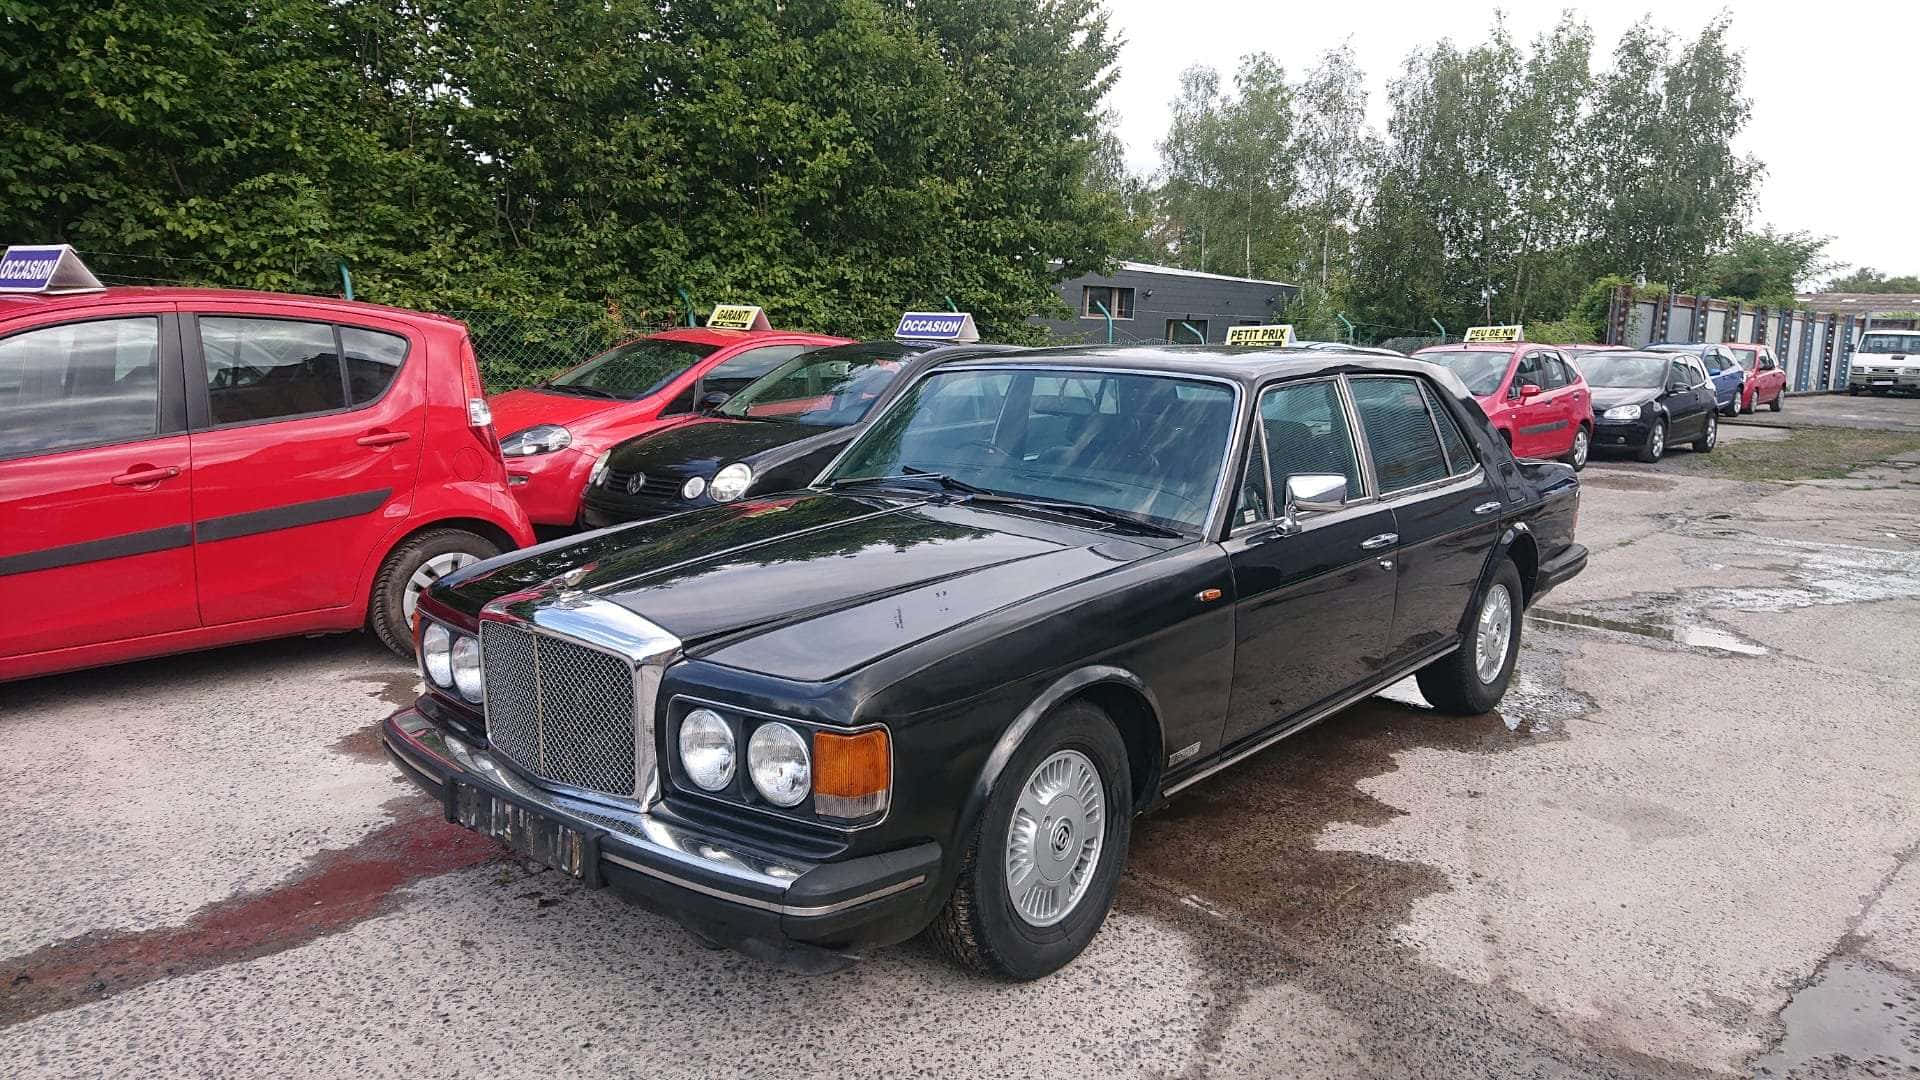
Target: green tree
(1767,267)
(1335,152)
(1868,280)
(1229,175)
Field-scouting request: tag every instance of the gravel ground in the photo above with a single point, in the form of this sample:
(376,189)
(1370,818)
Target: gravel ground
(1685,847)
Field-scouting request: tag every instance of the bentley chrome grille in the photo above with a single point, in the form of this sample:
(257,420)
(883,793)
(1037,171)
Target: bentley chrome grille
(562,711)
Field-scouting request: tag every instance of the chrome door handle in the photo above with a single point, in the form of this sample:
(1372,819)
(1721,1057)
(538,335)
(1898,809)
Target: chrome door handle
(1487,507)
(1373,543)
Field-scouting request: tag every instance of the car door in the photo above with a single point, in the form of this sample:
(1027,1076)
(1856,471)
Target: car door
(1314,593)
(306,443)
(1445,507)
(1688,397)
(1570,400)
(95,506)
(1537,420)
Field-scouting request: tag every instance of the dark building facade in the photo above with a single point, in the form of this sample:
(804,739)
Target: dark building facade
(1166,304)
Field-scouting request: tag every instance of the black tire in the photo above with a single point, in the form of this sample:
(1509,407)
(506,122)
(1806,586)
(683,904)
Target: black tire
(1779,401)
(1452,684)
(1574,455)
(1709,435)
(979,928)
(1656,444)
(386,608)
(1747,408)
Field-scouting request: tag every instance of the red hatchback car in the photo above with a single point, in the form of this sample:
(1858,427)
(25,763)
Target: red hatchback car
(183,468)
(1766,380)
(1535,396)
(557,428)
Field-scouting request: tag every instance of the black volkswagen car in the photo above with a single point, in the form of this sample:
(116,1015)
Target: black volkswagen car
(1646,401)
(775,434)
(1039,594)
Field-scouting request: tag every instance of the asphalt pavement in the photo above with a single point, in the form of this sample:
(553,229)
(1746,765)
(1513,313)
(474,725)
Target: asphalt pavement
(1685,846)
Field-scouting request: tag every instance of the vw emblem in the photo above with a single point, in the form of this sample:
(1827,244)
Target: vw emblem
(636,482)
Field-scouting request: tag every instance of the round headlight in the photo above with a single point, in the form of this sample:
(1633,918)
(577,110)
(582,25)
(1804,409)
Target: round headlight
(706,749)
(693,488)
(777,761)
(599,468)
(466,668)
(434,648)
(538,439)
(731,482)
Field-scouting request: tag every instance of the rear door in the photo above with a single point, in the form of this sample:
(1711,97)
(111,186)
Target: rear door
(306,443)
(95,505)
(1688,397)
(1538,426)
(1445,509)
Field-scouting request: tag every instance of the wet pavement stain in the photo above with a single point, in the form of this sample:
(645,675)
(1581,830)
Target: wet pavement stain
(1856,1018)
(363,743)
(397,688)
(1618,481)
(1693,635)
(338,889)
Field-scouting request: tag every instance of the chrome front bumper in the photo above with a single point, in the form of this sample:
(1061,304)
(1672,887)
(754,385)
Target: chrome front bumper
(698,874)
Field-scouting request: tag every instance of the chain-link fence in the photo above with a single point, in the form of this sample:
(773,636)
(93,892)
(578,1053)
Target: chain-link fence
(517,351)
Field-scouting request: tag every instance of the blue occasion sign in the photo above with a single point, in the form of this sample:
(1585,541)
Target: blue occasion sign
(49,268)
(936,326)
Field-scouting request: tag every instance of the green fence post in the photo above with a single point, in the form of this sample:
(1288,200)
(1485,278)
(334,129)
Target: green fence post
(1197,335)
(1342,316)
(1109,318)
(1443,329)
(951,306)
(346,279)
(688,301)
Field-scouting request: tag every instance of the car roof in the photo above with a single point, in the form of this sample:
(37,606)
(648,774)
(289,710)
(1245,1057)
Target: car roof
(1247,365)
(1684,346)
(16,304)
(1479,346)
(707,335)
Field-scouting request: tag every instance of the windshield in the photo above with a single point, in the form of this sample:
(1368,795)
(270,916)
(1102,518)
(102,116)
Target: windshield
(633,370)
(828,388)
(1890,343)
(1623,369)
(1148,446)
(1481,369)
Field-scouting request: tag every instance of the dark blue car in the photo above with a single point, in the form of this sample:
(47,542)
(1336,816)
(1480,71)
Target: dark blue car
(1728,375)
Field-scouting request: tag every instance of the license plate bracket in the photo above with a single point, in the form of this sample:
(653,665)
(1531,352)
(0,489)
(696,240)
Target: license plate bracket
(527,833)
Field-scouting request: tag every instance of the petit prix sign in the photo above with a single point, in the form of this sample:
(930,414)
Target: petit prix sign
(1280,334)
(45,268)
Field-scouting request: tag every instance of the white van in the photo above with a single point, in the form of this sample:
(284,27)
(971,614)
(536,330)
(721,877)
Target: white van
(1886,360)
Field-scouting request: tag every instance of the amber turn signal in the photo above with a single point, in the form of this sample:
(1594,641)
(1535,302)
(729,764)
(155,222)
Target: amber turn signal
(852,774)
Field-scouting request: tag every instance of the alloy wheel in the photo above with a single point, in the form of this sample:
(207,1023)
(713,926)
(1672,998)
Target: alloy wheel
(1579,447)
(1659,439)
(431,571)
(1054,840)
(1492,633)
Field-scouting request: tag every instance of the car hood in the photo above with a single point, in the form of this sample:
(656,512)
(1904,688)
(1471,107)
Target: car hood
(700,446)
(1606,397)
(518,410)
(808,585)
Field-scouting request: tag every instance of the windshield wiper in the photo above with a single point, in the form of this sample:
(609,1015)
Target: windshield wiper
(1086,510)
(582,389)
(908,472)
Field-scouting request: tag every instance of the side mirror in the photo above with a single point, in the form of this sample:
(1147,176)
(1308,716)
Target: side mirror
(1529,390)
(1311,493)
(713,399)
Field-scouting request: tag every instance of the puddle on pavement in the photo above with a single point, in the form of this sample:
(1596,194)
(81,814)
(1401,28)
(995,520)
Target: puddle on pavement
(335,890)
(1691,635)
(1626,481)
(397,688)
(1856,1018)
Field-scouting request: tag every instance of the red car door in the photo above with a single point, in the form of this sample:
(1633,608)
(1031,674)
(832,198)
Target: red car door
(306,444)
(1567,391)
(95,506)
(1536,418)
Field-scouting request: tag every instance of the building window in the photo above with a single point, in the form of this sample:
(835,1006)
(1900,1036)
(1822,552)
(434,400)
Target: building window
(1118,301)
(1187,331)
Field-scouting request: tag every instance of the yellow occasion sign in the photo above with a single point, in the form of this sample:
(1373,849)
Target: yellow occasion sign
(738,317)
(1495,333)
(1281,334)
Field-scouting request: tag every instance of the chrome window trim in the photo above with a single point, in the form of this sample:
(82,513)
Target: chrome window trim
(1362,462)
(1212,525)
(1434,406)
(740,764)
(1401,494)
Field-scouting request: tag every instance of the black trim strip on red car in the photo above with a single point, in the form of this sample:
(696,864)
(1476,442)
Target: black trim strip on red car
(1542,429)
(291,516)
(144,542)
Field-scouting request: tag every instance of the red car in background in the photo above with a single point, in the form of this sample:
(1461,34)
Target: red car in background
(555,429)
(1535,396)
(184,468)
(1766,379)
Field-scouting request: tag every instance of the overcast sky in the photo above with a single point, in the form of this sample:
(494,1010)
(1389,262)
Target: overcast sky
(1809,67)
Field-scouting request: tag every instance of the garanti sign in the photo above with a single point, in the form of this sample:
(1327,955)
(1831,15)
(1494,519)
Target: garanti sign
(738,317)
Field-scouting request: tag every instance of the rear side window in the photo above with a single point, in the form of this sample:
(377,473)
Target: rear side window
(81,384)
(270,369)
(1459,458)
(373,359)
(1406,450)
(1552,375)
(1307,433)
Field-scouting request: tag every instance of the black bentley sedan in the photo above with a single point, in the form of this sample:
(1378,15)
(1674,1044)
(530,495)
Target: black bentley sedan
(1646,401)
(1039,594)
(773,435)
